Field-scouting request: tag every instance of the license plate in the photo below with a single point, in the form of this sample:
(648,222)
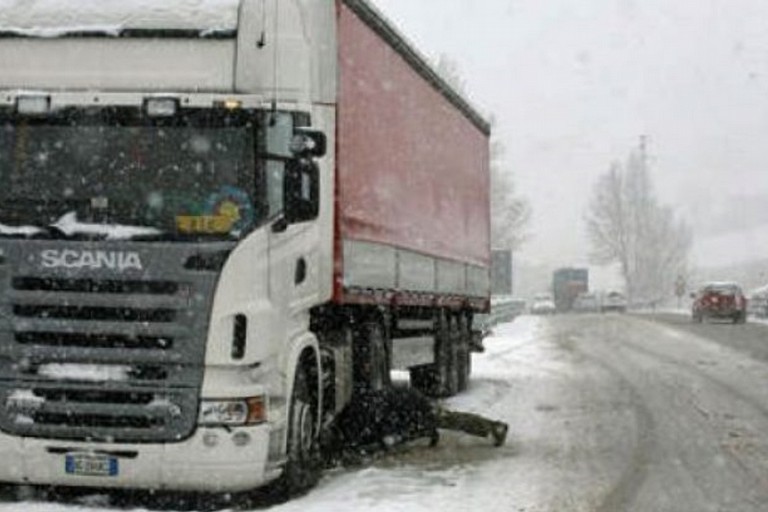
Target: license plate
(87,464)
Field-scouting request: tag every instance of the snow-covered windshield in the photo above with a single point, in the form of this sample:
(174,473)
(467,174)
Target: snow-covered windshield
(193,175)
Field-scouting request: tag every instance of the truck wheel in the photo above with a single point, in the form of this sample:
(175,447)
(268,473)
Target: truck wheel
(439,379)
(464,355)
(303,466)
(371,365)
(452,370)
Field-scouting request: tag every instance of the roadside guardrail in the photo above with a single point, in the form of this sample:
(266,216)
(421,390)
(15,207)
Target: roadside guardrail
(503,309)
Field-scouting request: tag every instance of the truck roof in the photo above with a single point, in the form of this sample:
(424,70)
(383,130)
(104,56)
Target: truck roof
(57,18)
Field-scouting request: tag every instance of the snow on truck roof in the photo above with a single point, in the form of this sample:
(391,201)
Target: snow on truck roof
(54,18)
(208,18)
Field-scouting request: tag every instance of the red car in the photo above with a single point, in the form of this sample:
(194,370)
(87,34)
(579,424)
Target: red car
(720,300)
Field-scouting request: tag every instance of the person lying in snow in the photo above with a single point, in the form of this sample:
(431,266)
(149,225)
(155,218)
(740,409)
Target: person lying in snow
(379,419)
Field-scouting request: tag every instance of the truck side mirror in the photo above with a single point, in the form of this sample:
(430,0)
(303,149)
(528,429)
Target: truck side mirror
(301,191)
(309,143)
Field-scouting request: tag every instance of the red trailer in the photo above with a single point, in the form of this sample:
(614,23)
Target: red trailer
(412,203)
(412,177)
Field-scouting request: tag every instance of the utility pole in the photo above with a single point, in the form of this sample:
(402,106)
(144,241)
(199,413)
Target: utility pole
(644,151)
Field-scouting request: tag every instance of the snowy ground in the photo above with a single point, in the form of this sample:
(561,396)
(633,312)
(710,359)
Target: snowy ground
(461,472)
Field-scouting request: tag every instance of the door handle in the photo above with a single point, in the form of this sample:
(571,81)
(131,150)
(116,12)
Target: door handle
(301,271)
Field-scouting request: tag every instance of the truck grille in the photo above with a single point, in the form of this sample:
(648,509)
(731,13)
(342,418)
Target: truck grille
(100,358)
(65,339)
(93,286)
(96,313)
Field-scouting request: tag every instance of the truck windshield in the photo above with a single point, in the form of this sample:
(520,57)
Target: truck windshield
(114,173)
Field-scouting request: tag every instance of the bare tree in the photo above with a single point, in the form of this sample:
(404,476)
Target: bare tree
(510,212)
(627,226)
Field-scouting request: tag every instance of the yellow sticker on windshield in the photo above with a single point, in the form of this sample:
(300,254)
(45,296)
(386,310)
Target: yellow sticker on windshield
(210,224)
(228,210)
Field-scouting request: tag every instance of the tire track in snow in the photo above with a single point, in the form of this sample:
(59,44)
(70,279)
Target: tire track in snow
(698,371)
(729,389)
(625,491)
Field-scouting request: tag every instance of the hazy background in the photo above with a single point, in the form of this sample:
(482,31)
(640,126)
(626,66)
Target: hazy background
(574,83)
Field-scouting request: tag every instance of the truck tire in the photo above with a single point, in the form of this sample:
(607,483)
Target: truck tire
(453,368)
(371,358)
(464,355)
(439,379)
(303,465)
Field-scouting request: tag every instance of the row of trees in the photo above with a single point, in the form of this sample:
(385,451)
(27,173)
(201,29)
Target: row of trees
(628,226)
(510,212)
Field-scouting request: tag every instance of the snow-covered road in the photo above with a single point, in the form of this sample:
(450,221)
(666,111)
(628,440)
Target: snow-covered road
(607,413)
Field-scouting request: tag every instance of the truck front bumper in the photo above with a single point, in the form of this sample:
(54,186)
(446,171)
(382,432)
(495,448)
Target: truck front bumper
(212,460)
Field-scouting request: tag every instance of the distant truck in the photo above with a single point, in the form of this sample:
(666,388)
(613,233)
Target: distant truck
(567,284)
(217,219)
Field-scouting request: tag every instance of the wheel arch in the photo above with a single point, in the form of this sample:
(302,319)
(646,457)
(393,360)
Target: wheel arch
(303,355)
(300,474)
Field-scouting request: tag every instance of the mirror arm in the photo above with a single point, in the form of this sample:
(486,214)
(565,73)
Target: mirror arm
(280,225)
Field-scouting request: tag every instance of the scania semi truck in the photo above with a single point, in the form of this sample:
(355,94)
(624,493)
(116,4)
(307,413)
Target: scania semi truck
(218,219)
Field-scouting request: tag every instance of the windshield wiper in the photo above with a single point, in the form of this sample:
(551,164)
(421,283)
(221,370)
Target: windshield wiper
(166,236)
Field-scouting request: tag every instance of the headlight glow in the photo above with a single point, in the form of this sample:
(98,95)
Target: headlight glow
(239,412)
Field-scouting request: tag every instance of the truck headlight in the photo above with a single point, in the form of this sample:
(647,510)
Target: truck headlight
(238,412)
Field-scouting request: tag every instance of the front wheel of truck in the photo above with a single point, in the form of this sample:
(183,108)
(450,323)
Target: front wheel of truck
(303,465)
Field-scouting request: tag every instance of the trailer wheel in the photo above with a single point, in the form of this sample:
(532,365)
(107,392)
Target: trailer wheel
(440,379)
(453,369)
(464,355)
(371,365)
(303,466)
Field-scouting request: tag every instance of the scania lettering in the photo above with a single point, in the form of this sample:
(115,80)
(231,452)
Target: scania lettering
(69,258)
(218,220)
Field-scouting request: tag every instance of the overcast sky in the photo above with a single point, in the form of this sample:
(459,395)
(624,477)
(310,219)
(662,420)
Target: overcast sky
(574,83)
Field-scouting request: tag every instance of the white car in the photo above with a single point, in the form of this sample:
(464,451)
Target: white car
(614,301)
(543,304)
(586,303)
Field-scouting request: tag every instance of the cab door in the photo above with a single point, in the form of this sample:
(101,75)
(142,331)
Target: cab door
(292,197)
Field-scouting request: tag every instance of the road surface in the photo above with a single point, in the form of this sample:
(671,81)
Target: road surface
(608,413)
